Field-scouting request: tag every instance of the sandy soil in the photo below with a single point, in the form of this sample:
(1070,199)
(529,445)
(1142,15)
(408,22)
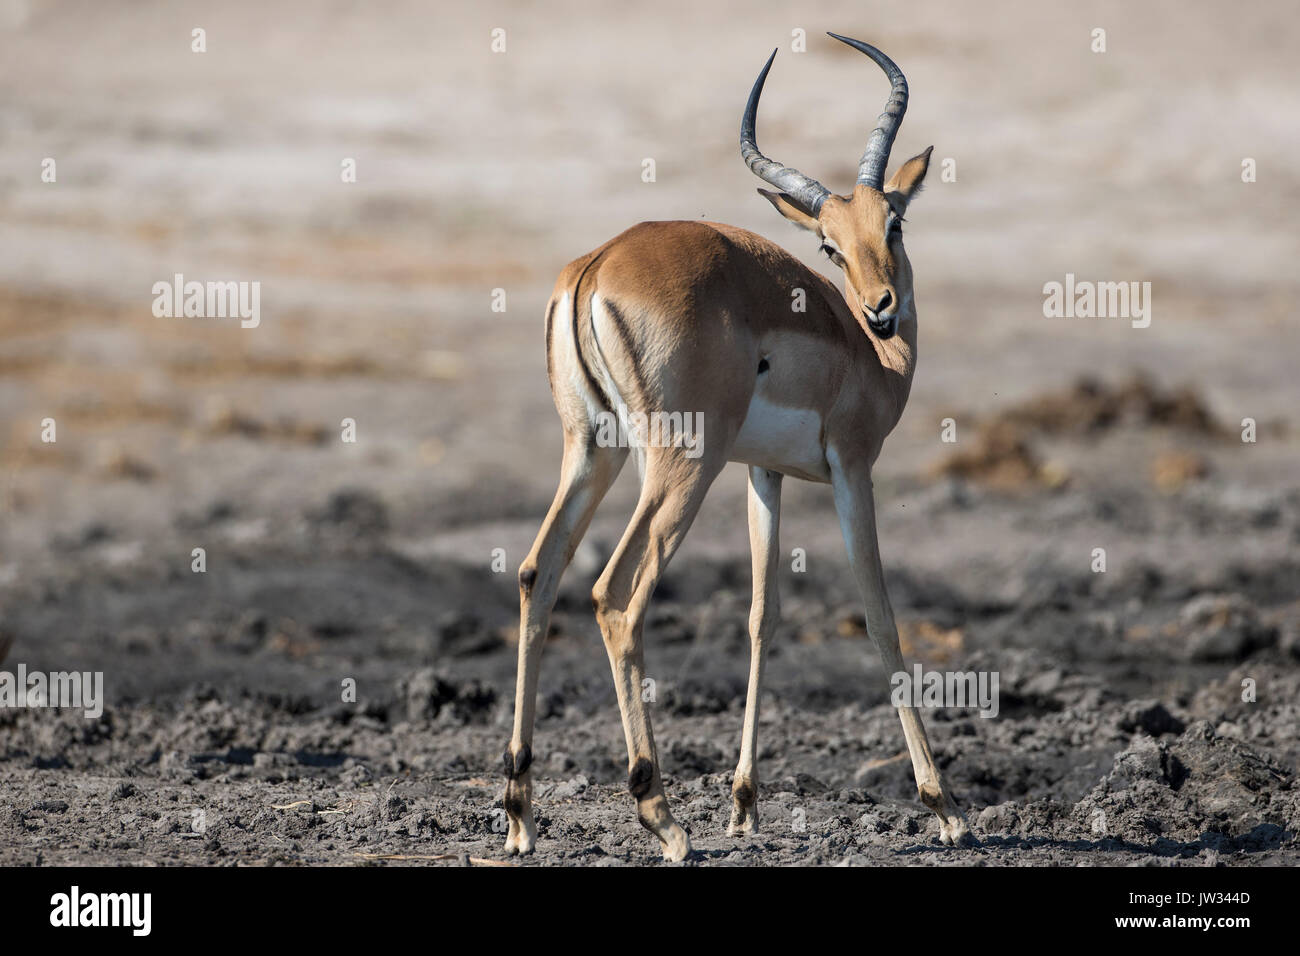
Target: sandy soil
(1122,736)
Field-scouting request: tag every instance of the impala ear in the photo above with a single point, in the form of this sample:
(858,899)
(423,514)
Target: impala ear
(906,183)
(792,212)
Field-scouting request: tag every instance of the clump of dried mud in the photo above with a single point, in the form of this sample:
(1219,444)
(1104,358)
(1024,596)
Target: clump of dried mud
(1005,453)
(1090,406)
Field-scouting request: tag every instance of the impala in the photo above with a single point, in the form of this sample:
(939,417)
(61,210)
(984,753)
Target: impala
(699,317)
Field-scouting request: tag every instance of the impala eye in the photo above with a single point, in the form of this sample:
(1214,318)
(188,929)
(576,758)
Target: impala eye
(832,254)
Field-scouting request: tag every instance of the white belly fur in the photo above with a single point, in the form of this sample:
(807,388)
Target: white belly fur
(782,439)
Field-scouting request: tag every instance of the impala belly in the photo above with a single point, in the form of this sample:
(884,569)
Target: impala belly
(781,438)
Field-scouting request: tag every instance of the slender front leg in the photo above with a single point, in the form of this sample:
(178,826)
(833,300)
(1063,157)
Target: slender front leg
(764,611)
(587,473)
(855,503)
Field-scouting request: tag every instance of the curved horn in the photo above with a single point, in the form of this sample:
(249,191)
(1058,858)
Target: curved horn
(871,168)
(804,190)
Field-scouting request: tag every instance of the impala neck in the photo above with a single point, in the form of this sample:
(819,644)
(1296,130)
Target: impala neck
(897,354)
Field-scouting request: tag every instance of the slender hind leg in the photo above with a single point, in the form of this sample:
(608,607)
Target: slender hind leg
(764,522)
(671,494)
(855,503)
(585,476)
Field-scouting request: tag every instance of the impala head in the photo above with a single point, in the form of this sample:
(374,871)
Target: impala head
(862,233)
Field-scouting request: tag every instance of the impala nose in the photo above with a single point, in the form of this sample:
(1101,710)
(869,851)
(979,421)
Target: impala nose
(882,322)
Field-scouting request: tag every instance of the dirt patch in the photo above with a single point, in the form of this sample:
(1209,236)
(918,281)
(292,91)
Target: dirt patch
(1003,458)
(1091,406)
(1005,453)
(231,421)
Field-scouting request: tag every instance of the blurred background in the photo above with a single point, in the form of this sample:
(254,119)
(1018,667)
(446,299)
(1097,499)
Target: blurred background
(479,170)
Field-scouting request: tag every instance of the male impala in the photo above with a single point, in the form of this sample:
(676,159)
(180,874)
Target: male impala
(698,317)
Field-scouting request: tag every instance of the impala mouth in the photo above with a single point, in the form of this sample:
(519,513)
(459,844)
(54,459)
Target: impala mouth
(885,326)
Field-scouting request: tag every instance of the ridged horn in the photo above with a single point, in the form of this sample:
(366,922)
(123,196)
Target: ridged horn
(805,191)
(871,168)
